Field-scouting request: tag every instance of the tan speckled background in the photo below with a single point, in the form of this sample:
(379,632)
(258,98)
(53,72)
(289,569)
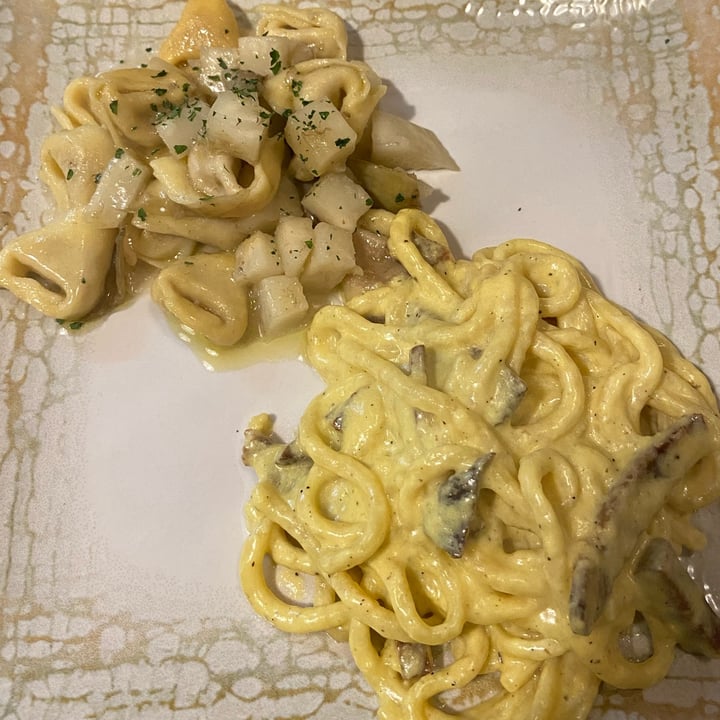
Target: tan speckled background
(69,651)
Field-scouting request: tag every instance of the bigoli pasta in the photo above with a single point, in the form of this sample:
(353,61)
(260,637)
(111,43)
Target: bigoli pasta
(489,498)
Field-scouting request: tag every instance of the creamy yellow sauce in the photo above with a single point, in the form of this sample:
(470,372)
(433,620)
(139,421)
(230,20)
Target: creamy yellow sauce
(473,513)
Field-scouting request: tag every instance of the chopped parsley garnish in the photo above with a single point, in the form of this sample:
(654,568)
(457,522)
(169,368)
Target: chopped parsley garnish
(309,243)
(296,87)
(142,214)
(275,63)
(179,149)
(162,73)
(399,198)
(159,91)
(369,202)
(119,152)
(76,324)
(248,87)
(324,114)
(342,142)
(222,63)
(70,173)
(97,178)
(114,107)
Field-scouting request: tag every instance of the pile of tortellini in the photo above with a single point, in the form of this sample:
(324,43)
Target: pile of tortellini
(240,169)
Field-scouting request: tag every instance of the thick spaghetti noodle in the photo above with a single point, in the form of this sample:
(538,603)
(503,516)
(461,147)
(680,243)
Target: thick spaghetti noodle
(489,497)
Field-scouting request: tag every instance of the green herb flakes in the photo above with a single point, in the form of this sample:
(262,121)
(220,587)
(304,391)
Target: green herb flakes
(275,63)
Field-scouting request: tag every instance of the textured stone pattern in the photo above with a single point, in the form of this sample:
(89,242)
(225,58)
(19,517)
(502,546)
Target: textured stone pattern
(63,652)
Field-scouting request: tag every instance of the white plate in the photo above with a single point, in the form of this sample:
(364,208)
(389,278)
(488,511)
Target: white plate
(121,489)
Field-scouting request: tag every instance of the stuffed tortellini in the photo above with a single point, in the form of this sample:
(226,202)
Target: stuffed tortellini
(236,166)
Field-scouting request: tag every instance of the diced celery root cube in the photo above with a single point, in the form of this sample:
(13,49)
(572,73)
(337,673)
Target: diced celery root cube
(337,200)
(267,54)
(332,257)
(182,129)
(281,304)
(294,238)
(119,186)
(257,257)
(237,124)
(320,137)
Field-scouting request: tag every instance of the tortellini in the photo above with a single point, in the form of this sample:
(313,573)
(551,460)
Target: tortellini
(320,29)
(225,135)
(72,162)
(59,269)
(202,294)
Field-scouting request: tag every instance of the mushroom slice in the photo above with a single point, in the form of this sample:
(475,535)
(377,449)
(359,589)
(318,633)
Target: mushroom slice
(283,465)
(631,503)
(415,659)
(510,389)
(449,512)
(672,595)
(417,364)
(636,642)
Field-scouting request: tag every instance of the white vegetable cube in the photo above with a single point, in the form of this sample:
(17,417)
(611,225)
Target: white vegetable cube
(221,69)
(294,238)
(332,257)
(320,137)
(119,186)
(337,200)
(268,55)
(181,127)
(238,124)
(281,304)
(257,257)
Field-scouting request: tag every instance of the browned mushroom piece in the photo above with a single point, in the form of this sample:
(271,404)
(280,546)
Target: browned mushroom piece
(631,503)
(672,595)
(449,512)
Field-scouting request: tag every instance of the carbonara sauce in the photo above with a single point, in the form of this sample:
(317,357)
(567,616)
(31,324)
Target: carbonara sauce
(489,497)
